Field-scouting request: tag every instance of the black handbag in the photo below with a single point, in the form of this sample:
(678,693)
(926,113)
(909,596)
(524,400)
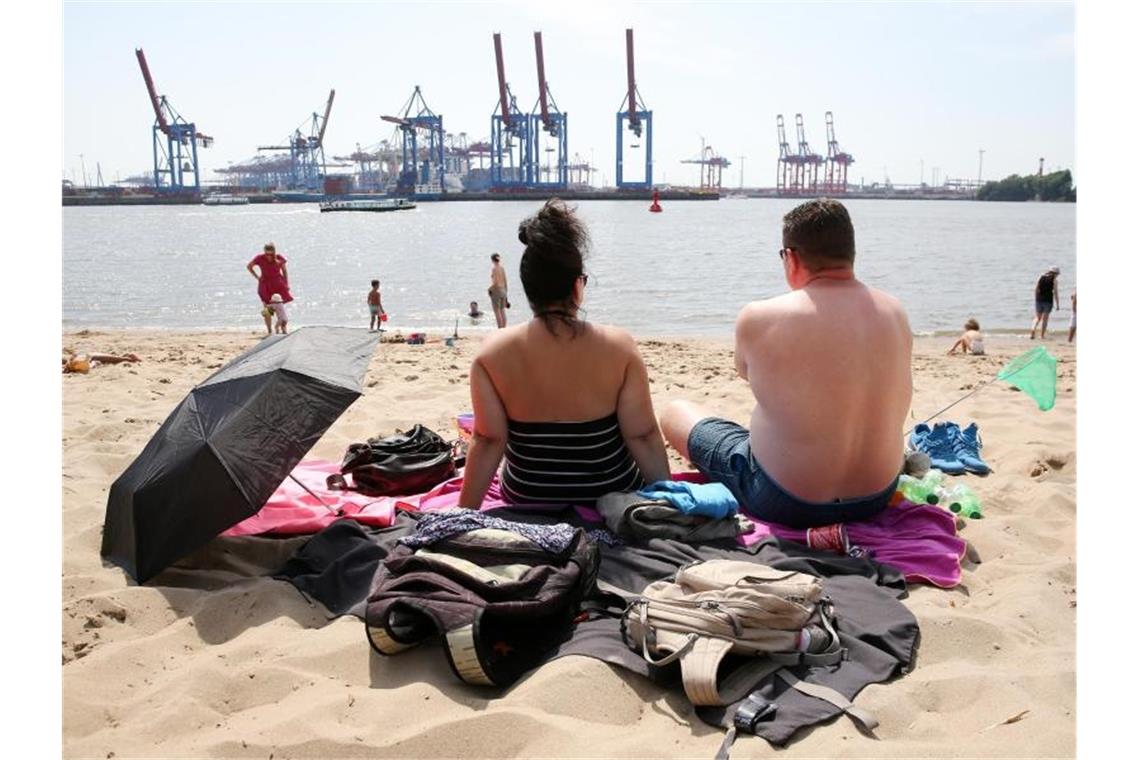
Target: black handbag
(401,464)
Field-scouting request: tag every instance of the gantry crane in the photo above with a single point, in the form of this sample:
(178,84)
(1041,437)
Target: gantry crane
(546,117)
(635,116)
(809,160)
(512,157)
(837,161)
(175,141)
(423,168)
(712,167)
(307,153)
(787,171)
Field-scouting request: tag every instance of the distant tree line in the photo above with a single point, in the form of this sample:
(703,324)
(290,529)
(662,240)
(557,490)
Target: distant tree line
(1057,186)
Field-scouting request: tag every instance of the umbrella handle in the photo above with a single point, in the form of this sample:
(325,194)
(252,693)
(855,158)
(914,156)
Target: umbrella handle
(318,498)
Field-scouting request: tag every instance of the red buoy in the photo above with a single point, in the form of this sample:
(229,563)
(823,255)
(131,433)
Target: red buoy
(655,207)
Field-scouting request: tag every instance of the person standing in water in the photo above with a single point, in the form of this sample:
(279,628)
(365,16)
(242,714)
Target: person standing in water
(375,307)
(1048,296)
(272,278)
(498,291)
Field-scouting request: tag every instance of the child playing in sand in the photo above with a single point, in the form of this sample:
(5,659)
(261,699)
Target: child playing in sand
(971,340)
(375,308)
(277,306)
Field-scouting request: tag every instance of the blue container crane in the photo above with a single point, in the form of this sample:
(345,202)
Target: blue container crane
(307,152)
(175,142)
(512,143)
(634,116)
(422,137)
(546,117)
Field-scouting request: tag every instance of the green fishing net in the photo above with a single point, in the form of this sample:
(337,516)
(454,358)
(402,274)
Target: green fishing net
(1035,374)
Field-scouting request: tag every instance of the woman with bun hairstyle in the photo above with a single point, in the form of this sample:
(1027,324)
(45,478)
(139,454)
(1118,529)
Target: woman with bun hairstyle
(565,402)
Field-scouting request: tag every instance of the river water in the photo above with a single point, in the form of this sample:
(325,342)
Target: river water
(684,272)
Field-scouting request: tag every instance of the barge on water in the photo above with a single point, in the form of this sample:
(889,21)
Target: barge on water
(224,199)
(379,204)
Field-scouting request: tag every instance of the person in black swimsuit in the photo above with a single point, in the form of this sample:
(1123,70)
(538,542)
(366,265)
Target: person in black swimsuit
(565,402)
(1047,296)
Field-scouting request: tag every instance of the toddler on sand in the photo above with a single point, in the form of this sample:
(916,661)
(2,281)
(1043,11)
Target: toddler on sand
(971,340)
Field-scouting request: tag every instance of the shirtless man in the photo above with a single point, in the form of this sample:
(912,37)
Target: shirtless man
(829,367)
(498,291)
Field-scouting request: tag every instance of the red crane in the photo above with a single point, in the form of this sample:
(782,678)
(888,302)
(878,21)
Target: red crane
(809,160)
(837,160)
(504,102)
(634,119)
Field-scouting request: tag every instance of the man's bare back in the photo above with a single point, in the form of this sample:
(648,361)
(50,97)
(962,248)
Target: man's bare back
(829,366)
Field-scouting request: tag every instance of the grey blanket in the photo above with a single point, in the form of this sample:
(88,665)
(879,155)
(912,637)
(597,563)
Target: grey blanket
(336,566)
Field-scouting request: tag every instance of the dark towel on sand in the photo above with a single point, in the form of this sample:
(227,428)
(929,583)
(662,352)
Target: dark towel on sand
(336,567)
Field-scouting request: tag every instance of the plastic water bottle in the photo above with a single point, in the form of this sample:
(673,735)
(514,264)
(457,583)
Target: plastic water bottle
(922,490)
(962,501)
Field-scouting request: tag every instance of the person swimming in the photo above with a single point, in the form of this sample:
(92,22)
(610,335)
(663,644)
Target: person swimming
(474,313)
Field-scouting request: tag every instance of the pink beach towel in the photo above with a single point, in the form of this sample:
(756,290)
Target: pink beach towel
(920,540)
(291,510)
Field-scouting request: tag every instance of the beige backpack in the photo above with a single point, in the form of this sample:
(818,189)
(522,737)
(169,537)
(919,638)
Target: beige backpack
(718,607)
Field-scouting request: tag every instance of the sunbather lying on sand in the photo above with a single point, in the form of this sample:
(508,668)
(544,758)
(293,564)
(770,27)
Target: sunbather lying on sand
(83,363)
(829,367)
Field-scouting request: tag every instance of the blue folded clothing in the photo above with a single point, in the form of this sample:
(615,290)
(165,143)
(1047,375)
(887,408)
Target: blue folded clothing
(705,499)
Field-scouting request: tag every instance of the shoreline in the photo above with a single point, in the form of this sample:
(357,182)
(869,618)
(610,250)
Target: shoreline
(477,331)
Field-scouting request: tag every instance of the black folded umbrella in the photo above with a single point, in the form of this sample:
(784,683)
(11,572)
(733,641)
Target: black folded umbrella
(226,447)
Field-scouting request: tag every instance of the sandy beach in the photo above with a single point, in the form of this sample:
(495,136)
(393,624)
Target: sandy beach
(221,662)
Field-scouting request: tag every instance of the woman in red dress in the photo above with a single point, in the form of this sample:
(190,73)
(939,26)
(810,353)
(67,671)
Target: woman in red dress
(273,278)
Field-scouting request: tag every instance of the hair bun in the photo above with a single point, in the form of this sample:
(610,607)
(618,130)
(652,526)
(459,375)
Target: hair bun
(522,233)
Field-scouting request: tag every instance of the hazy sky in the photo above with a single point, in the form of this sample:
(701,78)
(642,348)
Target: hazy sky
(909,83)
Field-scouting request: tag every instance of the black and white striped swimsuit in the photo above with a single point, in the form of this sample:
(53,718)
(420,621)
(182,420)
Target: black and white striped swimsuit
(567,462)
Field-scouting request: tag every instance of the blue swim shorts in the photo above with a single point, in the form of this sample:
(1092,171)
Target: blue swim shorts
(721,450)
(1044,307)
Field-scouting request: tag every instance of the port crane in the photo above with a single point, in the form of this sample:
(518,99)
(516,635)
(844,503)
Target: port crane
(422,140)
(635,117)
(712,167)
(809,160)
(546,117)
(307,153)
(835,179)
(175,142)
(787,165)
(512,156)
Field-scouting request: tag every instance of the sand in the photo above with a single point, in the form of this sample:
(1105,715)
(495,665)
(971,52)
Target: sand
(219,662)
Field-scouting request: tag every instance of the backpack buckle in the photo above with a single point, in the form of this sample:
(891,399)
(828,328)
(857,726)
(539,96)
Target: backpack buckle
(751,711)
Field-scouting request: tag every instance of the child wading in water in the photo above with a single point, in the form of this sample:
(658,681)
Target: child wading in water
(971,341)
(375,308)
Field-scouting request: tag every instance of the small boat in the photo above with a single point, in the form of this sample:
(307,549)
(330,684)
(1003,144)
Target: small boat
(224,199)
(379,204)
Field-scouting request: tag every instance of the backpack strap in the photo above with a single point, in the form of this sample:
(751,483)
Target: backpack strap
(750,712)
(863,718)
(701,664)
